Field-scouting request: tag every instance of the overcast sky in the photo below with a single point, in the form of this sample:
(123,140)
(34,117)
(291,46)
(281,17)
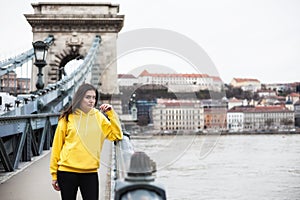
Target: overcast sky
(244,38)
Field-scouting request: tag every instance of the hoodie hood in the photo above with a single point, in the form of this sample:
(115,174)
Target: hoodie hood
(78,111)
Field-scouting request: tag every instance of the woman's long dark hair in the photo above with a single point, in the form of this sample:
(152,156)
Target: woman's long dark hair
(77,99)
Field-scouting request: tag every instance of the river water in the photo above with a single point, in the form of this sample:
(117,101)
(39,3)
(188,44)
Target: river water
(243,167)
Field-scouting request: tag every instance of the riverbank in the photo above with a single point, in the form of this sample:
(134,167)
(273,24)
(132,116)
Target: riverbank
(260,132)
(214,132)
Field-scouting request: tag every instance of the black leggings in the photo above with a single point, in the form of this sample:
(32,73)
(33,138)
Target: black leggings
(69,182)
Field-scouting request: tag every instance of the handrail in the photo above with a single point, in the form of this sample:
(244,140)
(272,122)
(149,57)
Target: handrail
(8,118)
(25,136)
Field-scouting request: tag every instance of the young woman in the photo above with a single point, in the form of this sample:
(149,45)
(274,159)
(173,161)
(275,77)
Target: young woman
(77,144)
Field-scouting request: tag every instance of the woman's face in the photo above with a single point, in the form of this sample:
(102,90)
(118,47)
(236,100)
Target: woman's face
(88,101)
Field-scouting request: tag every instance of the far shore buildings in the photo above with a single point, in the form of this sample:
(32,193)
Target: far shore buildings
(233,102)
(13,85)
(195,115)
(174,82)
(271,112)
(178,115)
(293,97)
(297,113)
(127,80)
(246,84)
(280,87)
(214,114)
(266,93)
(260,118)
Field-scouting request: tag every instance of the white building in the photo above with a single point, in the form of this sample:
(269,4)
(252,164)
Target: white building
(277,86)
(294,97)
(260,118)
(178,115)
(127,80)
(182,82)
(233,102)
(217,83)
(246,84)
(235,119)
(266,93)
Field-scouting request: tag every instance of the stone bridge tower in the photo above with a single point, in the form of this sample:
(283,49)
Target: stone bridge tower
(74,26)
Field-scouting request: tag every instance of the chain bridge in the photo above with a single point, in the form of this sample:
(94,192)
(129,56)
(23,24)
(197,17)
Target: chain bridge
(69,31)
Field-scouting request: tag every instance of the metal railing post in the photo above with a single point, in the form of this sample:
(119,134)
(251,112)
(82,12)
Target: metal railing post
(134,177)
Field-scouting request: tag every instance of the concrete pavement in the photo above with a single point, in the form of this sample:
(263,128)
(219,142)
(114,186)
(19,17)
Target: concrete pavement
(33,182)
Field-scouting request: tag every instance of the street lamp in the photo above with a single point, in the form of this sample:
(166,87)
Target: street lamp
(40,53)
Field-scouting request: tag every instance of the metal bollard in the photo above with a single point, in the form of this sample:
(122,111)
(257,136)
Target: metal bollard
(139,184)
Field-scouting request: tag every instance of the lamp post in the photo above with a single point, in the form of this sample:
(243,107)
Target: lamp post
(133,108)
(40,53)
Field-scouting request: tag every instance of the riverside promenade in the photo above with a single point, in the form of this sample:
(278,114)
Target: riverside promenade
(33,181)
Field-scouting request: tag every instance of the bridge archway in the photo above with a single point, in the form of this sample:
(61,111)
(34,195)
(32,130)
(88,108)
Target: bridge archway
(74,26)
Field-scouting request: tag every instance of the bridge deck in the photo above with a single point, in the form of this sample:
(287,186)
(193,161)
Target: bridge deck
(33,182)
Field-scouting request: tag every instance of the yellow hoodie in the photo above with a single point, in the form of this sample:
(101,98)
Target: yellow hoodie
(77,144)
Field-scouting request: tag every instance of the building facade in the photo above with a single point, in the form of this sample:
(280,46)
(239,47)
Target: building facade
(235,120)
(178,115)
(260,118)
(9,83)
(297,113)
(127,80)
(214,114)
(182,82)
(13,85)
(233,102)
(246,84)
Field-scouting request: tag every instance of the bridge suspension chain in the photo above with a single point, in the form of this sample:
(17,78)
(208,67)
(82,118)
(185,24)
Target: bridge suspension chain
(10,64)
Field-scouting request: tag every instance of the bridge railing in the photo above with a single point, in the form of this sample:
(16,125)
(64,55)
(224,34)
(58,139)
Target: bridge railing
(25,131)
(134,174)
(22,137)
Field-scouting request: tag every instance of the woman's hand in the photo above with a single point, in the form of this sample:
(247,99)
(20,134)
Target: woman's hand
(105,107)
(55,185)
